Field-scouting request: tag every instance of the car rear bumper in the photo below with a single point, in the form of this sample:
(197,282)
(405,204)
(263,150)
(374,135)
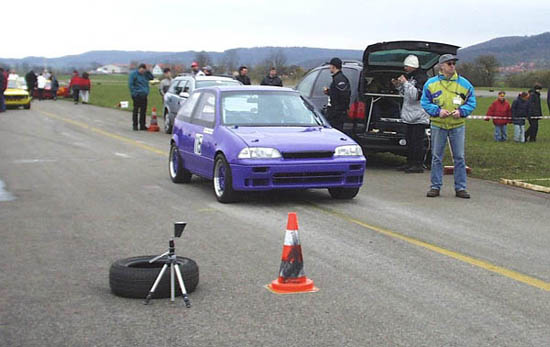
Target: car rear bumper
(299,174)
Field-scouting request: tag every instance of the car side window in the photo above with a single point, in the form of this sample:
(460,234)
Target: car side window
(307,83)
(205,112)
(173,86)
(184,113)
(323,81)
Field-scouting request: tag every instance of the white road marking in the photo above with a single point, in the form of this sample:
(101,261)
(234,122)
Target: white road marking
(33,161)
(4,194)
(122,155)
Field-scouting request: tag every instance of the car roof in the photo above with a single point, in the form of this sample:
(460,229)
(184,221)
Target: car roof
(204,78)
(249,88)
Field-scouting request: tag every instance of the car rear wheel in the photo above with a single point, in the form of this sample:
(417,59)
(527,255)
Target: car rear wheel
(178,173)
(223,181)
(167,123)
(343,193)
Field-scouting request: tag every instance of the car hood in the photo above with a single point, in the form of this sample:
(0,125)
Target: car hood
(293,139)
(16,92)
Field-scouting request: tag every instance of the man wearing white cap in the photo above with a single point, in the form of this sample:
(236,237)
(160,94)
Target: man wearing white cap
(412,113)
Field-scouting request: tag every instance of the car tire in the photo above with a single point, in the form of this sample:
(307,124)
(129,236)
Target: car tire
(223,180)
(343,193)
(167,123)
(178,173)
(27,107)
(134,277)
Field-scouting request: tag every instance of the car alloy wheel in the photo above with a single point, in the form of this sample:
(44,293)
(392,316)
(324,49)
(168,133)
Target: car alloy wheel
(178,173)
(223,188)
(167,125)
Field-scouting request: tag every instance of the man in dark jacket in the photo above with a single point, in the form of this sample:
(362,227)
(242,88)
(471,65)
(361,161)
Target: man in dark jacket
(520,109)
(339,94)
(138,83)
(3,87)
(535,112)
(272,79)
(30,78)
(242,77)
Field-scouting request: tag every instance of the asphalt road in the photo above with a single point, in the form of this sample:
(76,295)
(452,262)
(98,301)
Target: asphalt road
(394,268)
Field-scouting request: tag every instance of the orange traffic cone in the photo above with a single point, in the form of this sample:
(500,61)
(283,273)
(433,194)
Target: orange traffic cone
(292,278)
(154,126)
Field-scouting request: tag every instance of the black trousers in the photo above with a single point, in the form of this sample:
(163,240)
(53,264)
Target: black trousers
(140,106)
(415,144)
(76,93)
(40,93)
(531,133)
(336,118)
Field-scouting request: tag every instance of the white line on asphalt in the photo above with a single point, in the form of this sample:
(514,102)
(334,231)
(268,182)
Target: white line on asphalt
(122,155)
(4,194)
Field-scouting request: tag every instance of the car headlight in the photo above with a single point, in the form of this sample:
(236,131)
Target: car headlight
(259,153)
(348,151)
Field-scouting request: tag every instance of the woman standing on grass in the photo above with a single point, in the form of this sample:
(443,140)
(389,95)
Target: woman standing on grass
(520,109)
(85,86)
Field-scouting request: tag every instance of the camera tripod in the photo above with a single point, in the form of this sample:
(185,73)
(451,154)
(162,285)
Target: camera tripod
(172,262)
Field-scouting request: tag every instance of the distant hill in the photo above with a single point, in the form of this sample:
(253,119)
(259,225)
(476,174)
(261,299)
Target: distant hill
(301,56)
(513,50)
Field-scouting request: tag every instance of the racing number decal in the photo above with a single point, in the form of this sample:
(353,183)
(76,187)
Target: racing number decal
(198,144)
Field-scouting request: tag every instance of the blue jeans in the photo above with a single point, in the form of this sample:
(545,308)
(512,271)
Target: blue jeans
(500,133)
(439,141)
(519,133)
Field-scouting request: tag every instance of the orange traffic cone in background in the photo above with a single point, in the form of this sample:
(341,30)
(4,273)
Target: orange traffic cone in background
(154,126)
(292,278)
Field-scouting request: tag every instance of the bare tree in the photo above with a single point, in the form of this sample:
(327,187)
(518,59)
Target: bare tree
(203,59)
(487,66)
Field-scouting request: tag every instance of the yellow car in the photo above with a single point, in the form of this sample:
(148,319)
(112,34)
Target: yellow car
(16,94)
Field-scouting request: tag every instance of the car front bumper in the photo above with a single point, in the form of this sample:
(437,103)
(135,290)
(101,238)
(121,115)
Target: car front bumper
(17,100)
(299,174)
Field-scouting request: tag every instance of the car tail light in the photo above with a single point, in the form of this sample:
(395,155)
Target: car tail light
(357,110)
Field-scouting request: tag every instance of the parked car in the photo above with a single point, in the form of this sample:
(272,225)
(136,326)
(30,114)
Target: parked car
(16,94)
(375,108)
(261,138)
(180,89)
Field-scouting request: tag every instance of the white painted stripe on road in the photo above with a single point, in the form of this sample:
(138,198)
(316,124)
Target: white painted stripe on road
(33,161)
(4,194)
(122,155)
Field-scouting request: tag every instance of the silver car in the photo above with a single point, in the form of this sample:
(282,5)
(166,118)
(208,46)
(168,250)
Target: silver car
(180,89)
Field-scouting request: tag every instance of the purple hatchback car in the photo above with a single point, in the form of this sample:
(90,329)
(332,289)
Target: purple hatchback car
(261,138)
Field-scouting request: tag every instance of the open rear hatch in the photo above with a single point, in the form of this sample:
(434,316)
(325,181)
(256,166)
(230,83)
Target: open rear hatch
(382,62)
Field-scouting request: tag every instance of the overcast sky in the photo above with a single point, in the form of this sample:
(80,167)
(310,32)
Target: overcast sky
(57,28)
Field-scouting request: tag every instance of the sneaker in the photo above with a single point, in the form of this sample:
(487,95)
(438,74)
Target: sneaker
(462,194)
(432,193)
(415,169)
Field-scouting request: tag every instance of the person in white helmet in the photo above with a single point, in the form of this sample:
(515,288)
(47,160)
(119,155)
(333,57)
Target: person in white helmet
(413,115)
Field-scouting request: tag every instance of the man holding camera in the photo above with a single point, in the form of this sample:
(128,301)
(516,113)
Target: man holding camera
(138,83)
(448,98)
(339,94)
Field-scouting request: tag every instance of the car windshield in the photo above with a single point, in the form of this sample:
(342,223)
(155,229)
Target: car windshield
(213,83)
(17,84)
(258,108)
(395,57)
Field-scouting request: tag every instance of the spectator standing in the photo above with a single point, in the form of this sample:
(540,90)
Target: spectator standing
(41,84)
(164,85)
(548,98)
(74,86)
(448,98)
(55,86)
(520,110)
(243,76)
(501,113)
(85,86)
(535,112)
(138,83)
(195,69)
(3,87)
(207,70)
(339,94)
(412,113)
(272,79)
(30,78)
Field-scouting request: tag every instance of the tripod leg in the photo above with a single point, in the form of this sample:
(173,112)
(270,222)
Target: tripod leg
(172,287)
(154,287)
(182,287)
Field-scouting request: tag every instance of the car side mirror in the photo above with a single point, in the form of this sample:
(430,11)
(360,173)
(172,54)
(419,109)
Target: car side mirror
(184,95)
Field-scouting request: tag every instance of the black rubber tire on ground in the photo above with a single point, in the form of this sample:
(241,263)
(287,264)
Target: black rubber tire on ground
(134,277)
(167,126)
(180,174)
(228,194)
(343,193)
(27,107)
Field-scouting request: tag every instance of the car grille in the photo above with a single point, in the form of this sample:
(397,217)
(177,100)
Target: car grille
(308,155)
(307,178)
(15,97)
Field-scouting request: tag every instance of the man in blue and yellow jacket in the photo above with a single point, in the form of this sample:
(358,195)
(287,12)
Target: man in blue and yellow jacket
(448,98)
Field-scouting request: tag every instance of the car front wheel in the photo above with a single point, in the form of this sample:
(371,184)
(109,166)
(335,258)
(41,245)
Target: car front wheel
(167,123)
(343,193)
(223,181)
(178,173)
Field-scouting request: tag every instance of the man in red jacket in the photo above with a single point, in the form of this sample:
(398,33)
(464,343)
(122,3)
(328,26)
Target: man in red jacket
(74,86)
(501,112)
